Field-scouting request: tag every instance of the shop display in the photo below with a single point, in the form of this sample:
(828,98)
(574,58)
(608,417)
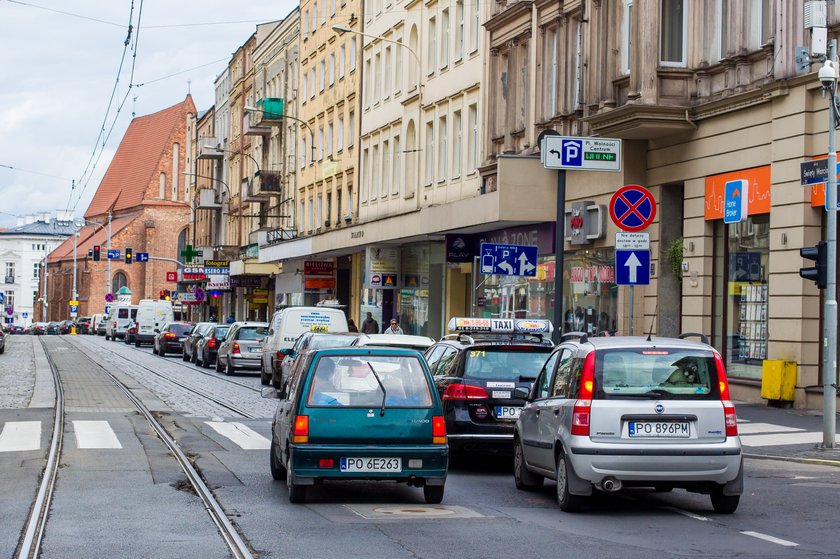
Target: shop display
(753,322)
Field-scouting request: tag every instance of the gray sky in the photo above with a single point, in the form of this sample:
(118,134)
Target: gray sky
(59,63)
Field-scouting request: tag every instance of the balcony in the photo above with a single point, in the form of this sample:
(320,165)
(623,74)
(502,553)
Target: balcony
(268,237)
(251,192)
(252,125)
(271,108)
(207,200)
(209,148)
(268,182)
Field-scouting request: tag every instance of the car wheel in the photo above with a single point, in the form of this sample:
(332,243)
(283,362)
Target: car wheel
(218,364)
(229,370)
(264,379)
(184,356)
(523,478)
(433,494)
(567,501)
(724,504)
(297,493)
(278,471)
(107,337)
(193,358)
(136,343)
(276,380)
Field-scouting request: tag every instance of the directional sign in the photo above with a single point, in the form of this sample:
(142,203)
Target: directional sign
(582,154)
(632,208)
(632,267)
(141,256)
(735,200)
(114,254)
(509,260)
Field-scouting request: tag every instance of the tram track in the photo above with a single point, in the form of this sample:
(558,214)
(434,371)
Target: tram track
(191,387)
(36,523)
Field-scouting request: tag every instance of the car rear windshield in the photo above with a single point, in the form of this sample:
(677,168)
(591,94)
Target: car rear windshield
(181,329)
(656,373)
(221,331)
(122,313)
(505,362)
(354,382)
(330,340)
(252,333)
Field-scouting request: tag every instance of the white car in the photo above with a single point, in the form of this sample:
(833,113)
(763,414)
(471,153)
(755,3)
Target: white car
(420,343)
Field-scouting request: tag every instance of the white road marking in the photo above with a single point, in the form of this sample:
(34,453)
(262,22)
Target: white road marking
(245,437)
(95,434)
(770,539)
(754,428)
(780,439)
(20,435)
(686,513)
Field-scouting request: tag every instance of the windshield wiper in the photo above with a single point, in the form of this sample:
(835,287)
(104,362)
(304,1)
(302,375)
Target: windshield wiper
(382,386)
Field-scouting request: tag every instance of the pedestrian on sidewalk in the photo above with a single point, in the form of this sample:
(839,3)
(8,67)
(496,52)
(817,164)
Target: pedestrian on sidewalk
(370,326)
(231,319)
(394,328)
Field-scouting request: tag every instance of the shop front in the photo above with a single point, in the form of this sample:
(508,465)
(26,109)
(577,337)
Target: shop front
(741,273)
(306,282)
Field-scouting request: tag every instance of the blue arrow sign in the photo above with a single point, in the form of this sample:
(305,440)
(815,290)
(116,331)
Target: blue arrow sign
(2,297)
(141,256)
(509,260)
(632,267)
(114,254)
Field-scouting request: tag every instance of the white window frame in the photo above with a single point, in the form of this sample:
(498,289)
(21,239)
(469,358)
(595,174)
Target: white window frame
(342,61)
(320,143)
(432,50)
(398,74)
(321,75)
(303,153)
(397,160)
(430,153)
(475,26)
(314,26)
(553,68)
(312,87)
(385,182)
(352,54)
(443,147)
(684,44)
(320,211)
(330,138)
(304,85)
(340,134)
(305,20)
(626,35)
(472,151)
(458,146)
(351,129)
(386,73)
(331,70)
(377,78)
(365,182)
(444,38)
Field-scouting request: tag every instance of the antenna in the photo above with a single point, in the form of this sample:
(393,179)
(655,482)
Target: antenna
(653,320)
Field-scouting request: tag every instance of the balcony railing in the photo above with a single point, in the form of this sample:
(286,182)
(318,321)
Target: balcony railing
(10,279)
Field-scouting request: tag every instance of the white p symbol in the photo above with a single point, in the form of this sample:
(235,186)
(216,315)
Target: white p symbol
(572,151)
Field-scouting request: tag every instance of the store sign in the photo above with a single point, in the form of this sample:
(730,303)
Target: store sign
(218,274)
(585,222)
(459,248)
(259,296)
(318,268)
(463,248)
(314,283)
(194,273)
(246,281)
(172,277)
(757,200)
(382,267)
(592,274)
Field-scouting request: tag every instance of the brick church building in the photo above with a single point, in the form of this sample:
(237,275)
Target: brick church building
(146,197)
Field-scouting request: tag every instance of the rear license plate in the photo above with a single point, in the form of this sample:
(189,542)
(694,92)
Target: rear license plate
(508,412)
(664,429)
(349,464)
(254,349)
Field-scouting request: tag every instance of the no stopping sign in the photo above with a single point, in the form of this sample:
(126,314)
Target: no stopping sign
(632,208)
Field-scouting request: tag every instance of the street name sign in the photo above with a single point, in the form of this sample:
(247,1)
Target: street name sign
(814,171)
(632,267)
(509,260)
(581,154)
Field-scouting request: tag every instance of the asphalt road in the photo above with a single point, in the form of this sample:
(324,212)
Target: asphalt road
(787,510)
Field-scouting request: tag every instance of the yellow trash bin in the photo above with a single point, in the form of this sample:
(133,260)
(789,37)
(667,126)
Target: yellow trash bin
(778,379)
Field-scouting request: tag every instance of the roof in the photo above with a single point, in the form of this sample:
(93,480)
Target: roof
(394,340)
(89,235)
(610,342)
(54,229)
(136,164)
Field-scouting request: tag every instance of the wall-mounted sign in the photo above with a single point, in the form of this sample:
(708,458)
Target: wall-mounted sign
(318,267)
(382,267)
(758,199)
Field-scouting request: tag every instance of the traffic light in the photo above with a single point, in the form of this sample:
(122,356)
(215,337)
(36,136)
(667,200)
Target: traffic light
(164,295)
(97,253)
(129,255)
(819,273)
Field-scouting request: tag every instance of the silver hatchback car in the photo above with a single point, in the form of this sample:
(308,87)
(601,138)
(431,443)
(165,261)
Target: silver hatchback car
(242,347)
(614,412)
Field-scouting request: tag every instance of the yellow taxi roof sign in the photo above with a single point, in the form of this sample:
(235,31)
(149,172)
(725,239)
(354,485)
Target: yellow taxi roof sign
(500,325)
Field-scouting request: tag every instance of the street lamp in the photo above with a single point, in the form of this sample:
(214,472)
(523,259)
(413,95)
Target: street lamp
(250,109)
(342,29)
(828,78)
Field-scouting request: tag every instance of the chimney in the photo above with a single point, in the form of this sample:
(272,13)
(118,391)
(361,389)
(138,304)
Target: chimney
(65,216)
(30,219)
(20,221)
(45,217)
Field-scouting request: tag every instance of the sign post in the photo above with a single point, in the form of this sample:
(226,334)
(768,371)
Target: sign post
(579,154)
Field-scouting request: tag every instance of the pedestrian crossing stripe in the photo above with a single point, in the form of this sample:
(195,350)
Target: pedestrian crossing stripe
(21,436)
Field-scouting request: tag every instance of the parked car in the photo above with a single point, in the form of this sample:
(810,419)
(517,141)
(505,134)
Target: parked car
(83,325)
(359,414)
(288,324)
(151,315)
(2,341)
(170,338)
(191,342)
(208,346)
(131,333)
(53,328)
(615,412)
(66,326)
(242,347)
(306,342)
(477,371)
(37,328)
(420,343)
(98,324)
(17,329)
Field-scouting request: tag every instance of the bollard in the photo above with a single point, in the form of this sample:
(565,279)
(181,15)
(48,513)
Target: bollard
(73,330)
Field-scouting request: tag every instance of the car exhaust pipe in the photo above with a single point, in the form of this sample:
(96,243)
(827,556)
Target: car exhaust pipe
(610,484)
(414,482)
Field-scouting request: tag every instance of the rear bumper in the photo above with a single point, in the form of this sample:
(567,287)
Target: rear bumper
(241,362)
(144,338)
(305,460)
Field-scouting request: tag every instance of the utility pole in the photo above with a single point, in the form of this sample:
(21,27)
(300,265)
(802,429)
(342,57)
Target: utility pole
(46,291)
(75,293)
(108,279)
(829,364)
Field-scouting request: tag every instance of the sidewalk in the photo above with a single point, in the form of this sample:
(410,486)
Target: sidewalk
(784,434)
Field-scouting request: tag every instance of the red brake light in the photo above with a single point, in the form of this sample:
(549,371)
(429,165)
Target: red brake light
(730,419)
(326,463)
(169,335)
(235,347)
(212,343)
(280,355)
(438,430)
(301,431)
(582,410)
(464,392)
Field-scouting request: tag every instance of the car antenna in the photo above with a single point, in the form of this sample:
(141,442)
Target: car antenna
(655,311)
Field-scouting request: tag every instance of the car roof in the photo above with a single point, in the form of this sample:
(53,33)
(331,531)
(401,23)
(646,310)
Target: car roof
(362,351)
(618,342)
(394,339)
(244,323)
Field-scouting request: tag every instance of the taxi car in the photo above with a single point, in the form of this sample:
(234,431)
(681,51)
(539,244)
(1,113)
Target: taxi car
(359,414)
(615,412)
(477,371)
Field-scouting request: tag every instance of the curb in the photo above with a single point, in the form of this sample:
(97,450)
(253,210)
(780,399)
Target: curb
(814,461)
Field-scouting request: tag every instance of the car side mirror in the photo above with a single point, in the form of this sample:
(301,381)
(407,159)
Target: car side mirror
(271,393)
(285,351)
(157,331)
(523,393)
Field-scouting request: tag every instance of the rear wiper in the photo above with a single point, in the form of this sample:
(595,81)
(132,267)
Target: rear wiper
(524,378)
(382,386)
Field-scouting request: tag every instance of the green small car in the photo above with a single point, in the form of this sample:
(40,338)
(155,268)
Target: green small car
(359,414)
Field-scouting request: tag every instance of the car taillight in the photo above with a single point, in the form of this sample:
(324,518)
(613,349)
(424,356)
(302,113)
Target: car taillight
(235,347)
(438,430)
(730,419)
(211,343)
(301,431)
(464,392)
(326,463)
(582,411)
(280,355)
(169,335)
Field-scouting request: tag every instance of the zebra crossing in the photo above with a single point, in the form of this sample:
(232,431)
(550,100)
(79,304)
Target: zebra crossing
(23,436)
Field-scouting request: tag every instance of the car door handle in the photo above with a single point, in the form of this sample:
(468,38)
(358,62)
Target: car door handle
(557,412)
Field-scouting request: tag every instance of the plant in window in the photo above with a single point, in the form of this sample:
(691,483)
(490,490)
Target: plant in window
(674,255)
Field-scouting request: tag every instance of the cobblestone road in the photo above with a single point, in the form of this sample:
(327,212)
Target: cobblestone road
(17,372)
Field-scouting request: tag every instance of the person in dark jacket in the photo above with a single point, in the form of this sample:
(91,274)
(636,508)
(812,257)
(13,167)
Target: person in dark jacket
(370,326)
(351,326)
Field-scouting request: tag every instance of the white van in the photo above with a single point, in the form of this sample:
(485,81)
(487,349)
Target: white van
(288,324)
(95,321)
(117,321)
(152,314)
